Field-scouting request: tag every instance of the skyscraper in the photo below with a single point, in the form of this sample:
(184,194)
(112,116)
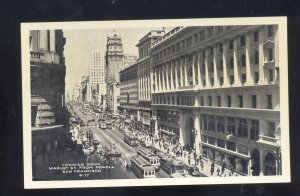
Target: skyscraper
(97,86)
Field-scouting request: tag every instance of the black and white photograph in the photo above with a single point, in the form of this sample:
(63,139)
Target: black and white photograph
(155,102)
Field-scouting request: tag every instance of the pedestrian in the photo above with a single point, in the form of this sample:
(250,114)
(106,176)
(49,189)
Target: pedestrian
(189,160)
(201,164)
(232,170)
(223,167)
(212,169)
(218,171)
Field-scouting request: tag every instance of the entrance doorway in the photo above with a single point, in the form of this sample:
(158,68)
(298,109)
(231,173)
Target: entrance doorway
(270,165)
(255,163)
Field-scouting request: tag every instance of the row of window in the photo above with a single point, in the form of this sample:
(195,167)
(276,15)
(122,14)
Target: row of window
(218,101)
(208,33)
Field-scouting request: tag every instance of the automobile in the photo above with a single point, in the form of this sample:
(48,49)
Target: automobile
(103,126)
(193,171)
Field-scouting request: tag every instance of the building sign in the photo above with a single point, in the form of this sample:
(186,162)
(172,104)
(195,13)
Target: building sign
(146,118)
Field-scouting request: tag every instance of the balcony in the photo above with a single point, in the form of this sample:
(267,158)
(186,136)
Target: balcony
(44,57)
(267,139)
(269,64)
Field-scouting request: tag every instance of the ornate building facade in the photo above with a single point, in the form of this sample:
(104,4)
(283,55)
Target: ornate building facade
(144,81)
(114,62)
(47,72)
(216,89)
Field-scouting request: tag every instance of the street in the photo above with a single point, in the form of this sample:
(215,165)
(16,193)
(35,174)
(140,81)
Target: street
(112,136)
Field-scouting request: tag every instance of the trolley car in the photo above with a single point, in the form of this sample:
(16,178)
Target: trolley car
(130,139)
(172,165)
(142,168)
(150,157)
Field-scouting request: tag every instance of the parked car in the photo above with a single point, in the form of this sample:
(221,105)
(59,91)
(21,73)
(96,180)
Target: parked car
(193,171)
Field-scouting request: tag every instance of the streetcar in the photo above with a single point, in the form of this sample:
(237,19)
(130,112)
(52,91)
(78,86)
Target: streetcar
(130,139)
(141,167)
(150,157)
(172,165)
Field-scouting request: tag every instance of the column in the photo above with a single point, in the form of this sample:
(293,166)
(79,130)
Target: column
(52,40)
(225,67)
(185,71)
(200,82)
(207,78)
(236,72)
(197,133)
(159,78)
(181,71)
(171,72)
(163,77)
(176,72)
(167,76)
(44,39)
(182,129)
(261,162)
(249,167)
(216,77)
(193,68)
(262,77)
(249,67)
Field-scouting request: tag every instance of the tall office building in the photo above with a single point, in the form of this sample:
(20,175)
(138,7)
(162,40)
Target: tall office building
(97,86)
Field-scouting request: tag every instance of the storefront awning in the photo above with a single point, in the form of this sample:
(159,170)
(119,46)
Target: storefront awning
(167,132)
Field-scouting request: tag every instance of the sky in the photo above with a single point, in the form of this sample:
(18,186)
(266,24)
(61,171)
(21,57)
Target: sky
(80,42)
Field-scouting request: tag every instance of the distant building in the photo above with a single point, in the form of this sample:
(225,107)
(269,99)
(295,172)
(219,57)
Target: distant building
(144,78)
(84,86)
(76,94)
(129,92)
(128,60)
(97,85)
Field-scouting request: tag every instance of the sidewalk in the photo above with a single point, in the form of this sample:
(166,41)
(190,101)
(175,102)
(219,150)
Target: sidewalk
(206,164)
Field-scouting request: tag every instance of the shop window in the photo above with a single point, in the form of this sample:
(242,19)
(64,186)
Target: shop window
(231,126)
(211,123)
(212,140)
(205,122)
(254,131)
(204,138)
(253,97)
(221,143)
(173,101)
(231,146)
(178,101)
(220,124)
(243,128)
